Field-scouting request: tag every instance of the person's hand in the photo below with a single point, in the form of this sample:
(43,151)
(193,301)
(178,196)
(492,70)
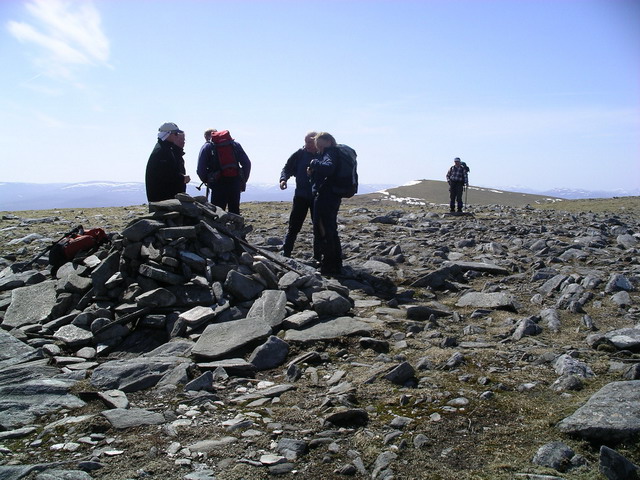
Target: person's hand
(187,179)
(283,185)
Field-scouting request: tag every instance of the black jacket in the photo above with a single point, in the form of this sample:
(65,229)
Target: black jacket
(296,166)
(164,177)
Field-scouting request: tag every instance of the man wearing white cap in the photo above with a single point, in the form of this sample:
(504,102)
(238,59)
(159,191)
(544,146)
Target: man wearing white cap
(166,176)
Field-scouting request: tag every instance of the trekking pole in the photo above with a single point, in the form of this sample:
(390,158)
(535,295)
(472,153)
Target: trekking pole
(32,261)
(253,248)
(222,229)
(466,194)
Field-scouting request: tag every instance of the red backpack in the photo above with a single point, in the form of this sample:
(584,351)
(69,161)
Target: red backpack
(224,150)
(76,241)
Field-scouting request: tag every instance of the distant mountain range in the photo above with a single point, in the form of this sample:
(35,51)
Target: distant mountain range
(40,196)
(36,196)
(568,193)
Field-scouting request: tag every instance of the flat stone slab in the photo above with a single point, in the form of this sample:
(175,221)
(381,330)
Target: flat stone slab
(121,418)
(14,472)
(114,399)
(625,338)
(424,312)
(74,337)
(197,316)
(61,474)
(270,308)
(233,366)
(300,320)
(211,445)
(141,228)
(330,303)
(20,279)
(220,339)
(271,392)
(14,351)
(498,300)
(480,267)
(28,391)
(174,348)
(377,266)
(330,329)
(30,305)
(134,374)
(610,415)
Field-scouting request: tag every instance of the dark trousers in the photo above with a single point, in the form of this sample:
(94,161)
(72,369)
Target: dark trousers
(455,195)
(299,209)
(325,231)
(225,193)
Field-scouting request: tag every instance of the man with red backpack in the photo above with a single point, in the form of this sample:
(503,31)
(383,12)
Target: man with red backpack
(225,167)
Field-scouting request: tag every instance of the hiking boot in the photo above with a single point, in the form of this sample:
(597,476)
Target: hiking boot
(330,270)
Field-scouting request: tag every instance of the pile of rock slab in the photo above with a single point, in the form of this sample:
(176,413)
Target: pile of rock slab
(179,273)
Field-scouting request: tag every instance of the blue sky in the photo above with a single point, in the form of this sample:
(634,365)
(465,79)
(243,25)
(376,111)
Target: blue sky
(532,93)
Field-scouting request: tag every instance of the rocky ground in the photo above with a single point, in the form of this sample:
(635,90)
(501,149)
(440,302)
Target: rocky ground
(500,344)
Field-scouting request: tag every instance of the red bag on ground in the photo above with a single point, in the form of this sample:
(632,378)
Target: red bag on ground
(67,248)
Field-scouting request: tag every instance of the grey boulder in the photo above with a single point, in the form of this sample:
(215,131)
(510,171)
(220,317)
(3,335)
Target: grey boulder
(610,415)
(31,304)
(497,300)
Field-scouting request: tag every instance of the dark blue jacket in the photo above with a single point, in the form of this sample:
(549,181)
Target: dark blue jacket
(322,171)
(296,166)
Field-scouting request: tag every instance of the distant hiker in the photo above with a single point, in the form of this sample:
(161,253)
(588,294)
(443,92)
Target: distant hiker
(166,175)
(205,157)
(457,178)
(296,166)
(224,167)
(326,204)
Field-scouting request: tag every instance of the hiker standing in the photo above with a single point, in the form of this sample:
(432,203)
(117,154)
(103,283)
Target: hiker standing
(457,178)
(326,204)
(166,175)
(296,166)
(205,157)
(224,167)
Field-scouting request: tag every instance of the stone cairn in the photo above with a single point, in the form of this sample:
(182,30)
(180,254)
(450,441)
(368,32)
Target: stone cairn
(176,283)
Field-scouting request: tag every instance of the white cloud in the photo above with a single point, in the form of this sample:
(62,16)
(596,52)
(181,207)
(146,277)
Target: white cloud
(67,33)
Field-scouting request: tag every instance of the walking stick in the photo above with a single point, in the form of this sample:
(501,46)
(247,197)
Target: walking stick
(199,188)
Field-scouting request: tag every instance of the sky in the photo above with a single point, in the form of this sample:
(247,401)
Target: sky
(534,93)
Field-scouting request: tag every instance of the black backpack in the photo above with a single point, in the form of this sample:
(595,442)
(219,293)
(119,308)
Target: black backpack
(345,178)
